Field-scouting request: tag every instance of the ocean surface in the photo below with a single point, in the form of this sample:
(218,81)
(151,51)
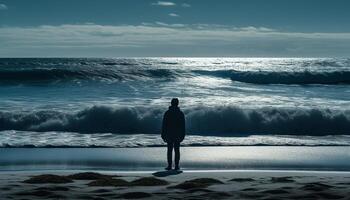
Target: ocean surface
(87,102)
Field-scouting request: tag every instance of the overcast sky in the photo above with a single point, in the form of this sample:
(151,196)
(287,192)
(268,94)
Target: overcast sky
(136,28)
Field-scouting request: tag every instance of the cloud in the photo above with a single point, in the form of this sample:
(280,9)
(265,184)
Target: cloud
(252,28)
(174,15)
(166,25)
(3,7)
(185,5)
(164,3)
(162,39)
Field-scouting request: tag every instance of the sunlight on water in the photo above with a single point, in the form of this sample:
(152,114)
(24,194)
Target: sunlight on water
(220,96)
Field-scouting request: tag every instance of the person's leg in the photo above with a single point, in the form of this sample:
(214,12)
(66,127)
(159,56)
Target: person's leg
(177,155)
(170,155)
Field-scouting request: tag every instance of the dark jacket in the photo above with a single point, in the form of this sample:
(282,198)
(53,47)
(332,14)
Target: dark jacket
(173,129)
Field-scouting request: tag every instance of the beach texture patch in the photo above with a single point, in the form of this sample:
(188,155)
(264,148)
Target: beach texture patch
(135,195)
(105,182)
(37,193)
(282,179)
(48,178)
(41,193)
(197,183)
(145,181)
(53,188)
(276,191)
(242,179)
(89,176)
(330,195)
(215,195)
(148,181)
(316,187)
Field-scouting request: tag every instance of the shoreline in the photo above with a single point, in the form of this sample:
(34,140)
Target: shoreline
(193,171)
(192,158)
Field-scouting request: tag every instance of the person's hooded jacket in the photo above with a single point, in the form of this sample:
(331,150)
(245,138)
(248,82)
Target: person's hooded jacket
(173,129)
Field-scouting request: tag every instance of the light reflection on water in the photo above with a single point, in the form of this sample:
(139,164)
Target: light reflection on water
(193,88)
(213,103)
(281,158)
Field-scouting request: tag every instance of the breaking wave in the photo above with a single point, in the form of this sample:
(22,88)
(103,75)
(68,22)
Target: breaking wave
(44,75)
(39,70)
(260,77)
(214,121)
(56,139)
(55,74)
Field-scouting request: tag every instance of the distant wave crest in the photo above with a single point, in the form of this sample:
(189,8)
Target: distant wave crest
(54,75)
(59,75)
(220,121)
(260,77)
(27,71)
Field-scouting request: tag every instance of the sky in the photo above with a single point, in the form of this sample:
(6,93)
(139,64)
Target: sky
(177,28)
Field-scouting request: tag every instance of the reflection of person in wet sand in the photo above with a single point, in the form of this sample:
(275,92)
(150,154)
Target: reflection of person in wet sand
(173,132)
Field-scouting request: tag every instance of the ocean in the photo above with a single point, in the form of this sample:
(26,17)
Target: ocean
(100,102)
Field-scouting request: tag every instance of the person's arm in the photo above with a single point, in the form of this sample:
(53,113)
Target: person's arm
(164,126)
(183,127)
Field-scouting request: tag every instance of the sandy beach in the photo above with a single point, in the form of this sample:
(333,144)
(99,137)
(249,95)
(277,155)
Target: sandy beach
(255,172)
(219,184)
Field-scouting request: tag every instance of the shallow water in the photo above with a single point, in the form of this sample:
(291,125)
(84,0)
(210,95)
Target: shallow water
(198,158)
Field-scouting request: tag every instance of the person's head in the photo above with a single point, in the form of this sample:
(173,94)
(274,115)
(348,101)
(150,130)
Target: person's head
(175,102)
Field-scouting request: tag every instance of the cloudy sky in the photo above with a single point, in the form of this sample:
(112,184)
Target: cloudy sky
(136,28)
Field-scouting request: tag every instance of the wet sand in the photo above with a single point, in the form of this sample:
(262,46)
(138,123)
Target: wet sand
(335,158)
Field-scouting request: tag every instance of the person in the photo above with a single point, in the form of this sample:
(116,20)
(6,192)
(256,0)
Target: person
(173,132)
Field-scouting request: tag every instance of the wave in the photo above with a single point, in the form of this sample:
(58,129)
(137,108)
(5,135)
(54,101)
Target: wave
(39,70)
(55,139)
(260,77)
(54,75)
(215,121)
(44,75)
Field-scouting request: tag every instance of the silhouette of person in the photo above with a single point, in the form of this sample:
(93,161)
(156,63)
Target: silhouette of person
(173,132)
